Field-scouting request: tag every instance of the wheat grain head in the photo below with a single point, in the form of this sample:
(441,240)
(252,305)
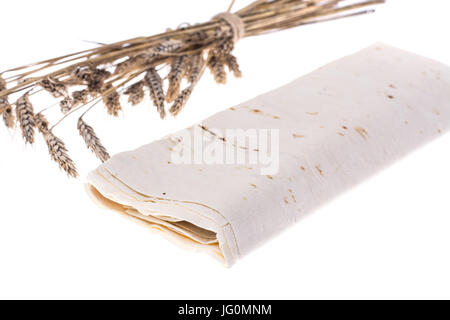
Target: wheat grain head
(92,141)
(154,82)
(25,116)
(58,152)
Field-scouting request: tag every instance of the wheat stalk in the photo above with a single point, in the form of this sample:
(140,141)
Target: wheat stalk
(108,71)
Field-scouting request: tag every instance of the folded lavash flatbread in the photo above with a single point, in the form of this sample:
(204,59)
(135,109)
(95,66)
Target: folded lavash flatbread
(330,130)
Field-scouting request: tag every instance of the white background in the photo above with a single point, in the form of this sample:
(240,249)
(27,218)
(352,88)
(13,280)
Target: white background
(387,238)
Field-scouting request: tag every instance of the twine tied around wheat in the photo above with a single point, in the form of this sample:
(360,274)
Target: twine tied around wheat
(168,66)
(235,22)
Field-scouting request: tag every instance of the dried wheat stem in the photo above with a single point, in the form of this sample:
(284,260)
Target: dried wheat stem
(148,55)
(58,152)
(92,141)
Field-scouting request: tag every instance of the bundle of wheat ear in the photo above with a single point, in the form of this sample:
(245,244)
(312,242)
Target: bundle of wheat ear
(128,68)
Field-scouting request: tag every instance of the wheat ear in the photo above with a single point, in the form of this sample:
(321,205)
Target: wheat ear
(58,152)
(92,141)
(233,65)
(25,116)
(66,105)
(196,65)
(111,99)
(217,68)
(56,88)
(8,117)
(135,93)
(180,102)
(154,82)
(177,72)
(5,108)
(42,123)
